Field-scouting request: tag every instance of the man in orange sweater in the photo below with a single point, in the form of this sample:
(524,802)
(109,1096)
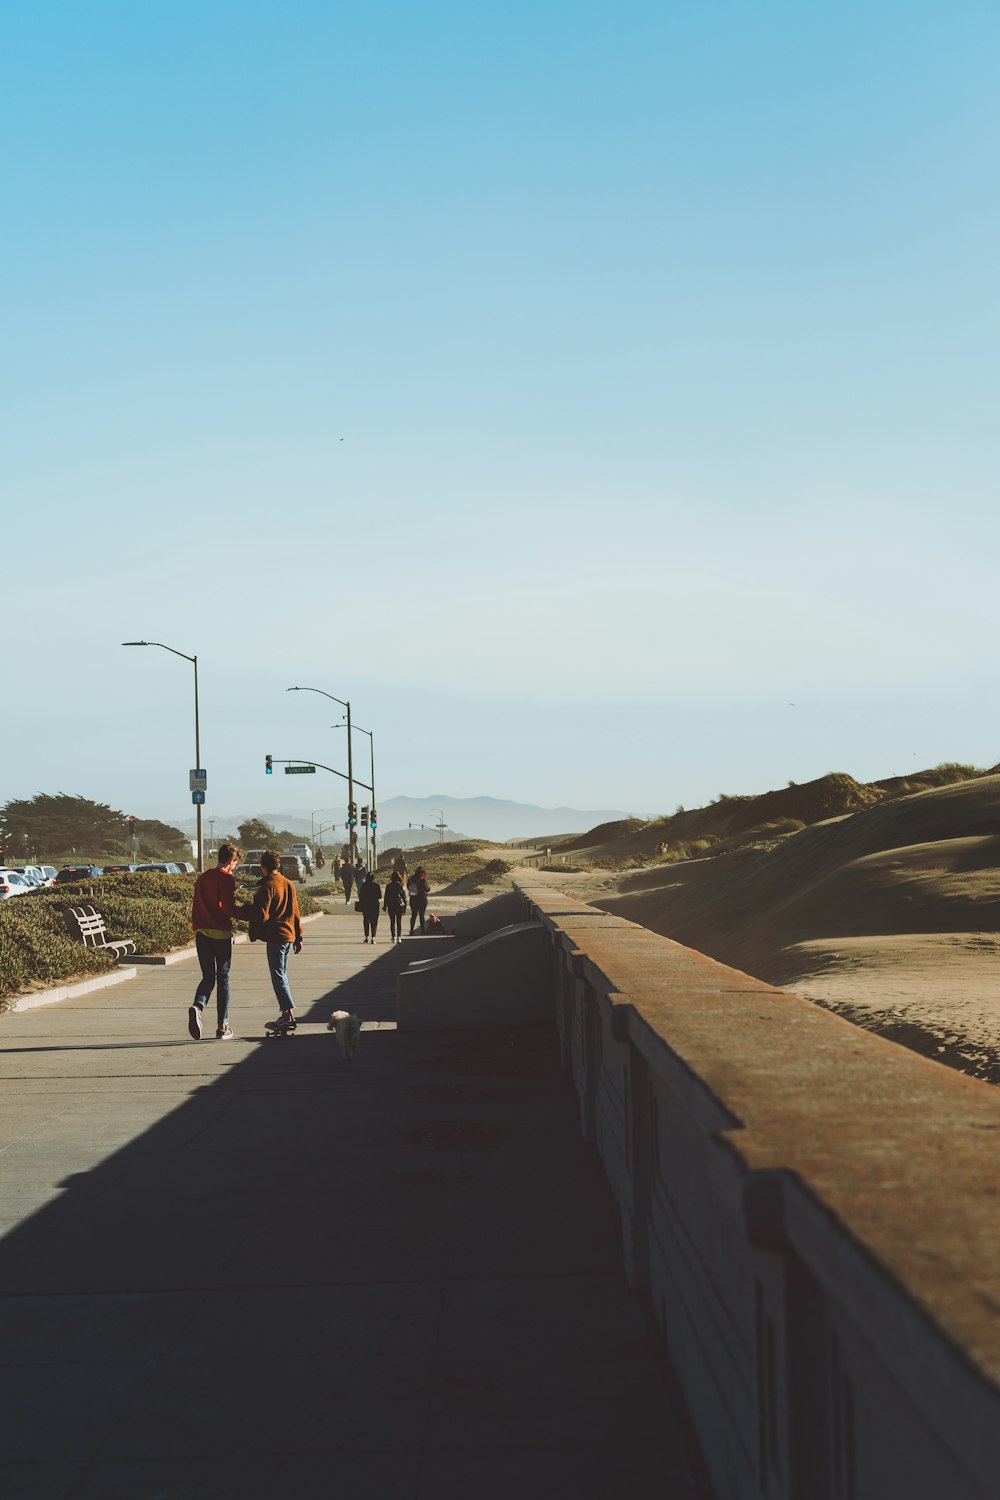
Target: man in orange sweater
(274,917)
(212,913)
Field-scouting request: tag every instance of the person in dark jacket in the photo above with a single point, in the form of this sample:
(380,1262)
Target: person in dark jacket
(395,905)
(370,896)
(347,878)
(420,889)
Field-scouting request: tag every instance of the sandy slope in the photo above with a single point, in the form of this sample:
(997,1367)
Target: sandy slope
(888,915)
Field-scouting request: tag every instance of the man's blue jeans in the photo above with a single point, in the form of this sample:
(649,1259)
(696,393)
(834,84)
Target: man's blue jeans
(277,962)
(216,958)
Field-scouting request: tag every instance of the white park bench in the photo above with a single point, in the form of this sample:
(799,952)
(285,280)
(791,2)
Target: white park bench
(92,932)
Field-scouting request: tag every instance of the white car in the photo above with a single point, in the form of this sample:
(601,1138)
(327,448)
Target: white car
(33,873)
(13,884)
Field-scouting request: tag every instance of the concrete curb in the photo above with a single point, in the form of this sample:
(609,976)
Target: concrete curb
(68,991)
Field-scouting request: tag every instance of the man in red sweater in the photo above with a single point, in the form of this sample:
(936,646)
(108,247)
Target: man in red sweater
(212,913)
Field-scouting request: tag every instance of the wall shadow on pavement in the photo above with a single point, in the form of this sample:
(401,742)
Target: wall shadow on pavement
(417,1246)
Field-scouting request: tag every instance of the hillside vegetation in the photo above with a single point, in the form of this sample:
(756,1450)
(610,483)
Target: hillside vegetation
(730,821)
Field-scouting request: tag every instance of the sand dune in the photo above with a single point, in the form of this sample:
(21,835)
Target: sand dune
(887,915)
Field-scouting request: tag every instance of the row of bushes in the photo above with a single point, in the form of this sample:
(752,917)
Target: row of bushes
(153,910)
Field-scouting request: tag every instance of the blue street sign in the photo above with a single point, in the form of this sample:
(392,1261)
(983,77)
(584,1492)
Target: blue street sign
(197,798)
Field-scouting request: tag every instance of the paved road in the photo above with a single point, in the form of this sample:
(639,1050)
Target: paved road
(251,1269)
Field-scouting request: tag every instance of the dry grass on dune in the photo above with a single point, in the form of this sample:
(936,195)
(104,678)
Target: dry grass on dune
(846,911)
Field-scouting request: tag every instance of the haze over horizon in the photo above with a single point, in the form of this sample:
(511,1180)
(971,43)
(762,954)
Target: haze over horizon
(601,397)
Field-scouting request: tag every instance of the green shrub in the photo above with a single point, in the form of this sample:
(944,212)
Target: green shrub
(153,910)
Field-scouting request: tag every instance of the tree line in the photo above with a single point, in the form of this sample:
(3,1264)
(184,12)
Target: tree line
(56,823)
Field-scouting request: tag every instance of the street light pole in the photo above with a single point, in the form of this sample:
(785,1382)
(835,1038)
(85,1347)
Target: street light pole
(374,806)
(351,831)
(197,733)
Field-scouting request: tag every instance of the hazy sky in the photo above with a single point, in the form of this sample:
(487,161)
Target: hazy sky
(574,387)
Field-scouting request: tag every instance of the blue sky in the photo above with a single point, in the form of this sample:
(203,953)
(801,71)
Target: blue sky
(575,388)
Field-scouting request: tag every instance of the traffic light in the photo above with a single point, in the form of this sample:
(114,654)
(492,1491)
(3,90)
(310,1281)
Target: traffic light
(131,824)
(364,817)
(268,766)
(371,817)
(352,814)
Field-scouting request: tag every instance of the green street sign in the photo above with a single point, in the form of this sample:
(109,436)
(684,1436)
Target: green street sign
(300,770)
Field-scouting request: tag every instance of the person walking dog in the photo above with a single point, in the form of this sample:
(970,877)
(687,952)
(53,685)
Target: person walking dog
(212,912)
(275,920)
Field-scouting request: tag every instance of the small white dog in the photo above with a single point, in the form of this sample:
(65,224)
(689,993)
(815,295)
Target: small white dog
(348,1029)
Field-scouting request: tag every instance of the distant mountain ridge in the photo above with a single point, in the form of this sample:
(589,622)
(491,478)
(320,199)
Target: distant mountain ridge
(493,818)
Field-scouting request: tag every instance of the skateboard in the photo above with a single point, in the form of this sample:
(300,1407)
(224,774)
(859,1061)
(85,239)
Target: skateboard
(279,1028)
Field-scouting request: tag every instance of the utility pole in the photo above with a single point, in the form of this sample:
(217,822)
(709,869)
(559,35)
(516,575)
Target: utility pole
(352,832)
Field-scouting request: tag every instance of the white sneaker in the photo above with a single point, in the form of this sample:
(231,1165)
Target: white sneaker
(194,1022)
(224,1032)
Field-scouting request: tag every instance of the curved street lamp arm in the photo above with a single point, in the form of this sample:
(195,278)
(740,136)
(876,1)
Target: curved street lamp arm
(162,648)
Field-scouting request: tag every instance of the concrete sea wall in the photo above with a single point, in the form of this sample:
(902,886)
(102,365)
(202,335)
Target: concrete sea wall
(812,1212)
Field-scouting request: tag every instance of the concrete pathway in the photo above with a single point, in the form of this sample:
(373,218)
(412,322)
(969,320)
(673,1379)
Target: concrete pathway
(251,1269)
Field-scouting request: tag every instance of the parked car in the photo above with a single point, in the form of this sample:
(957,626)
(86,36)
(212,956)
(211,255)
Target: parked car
(13,884)
(32,874)
(119,869)
(185,867)
(49,871)
(252,856)
(305,854)
(77,872)
(292,867)
(164,867)
(247,871)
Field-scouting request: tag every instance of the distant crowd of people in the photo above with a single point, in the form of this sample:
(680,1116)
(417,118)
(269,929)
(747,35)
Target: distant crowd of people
(370,900)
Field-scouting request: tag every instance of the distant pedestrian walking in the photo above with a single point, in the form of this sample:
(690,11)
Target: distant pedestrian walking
(275,920)
(419,889)
(347,878)
(395,905)
(212,912)
(399,867)
(360,875)
(371,904)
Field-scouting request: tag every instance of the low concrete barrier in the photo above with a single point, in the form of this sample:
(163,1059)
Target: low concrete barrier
(812,1212)
(498,980)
